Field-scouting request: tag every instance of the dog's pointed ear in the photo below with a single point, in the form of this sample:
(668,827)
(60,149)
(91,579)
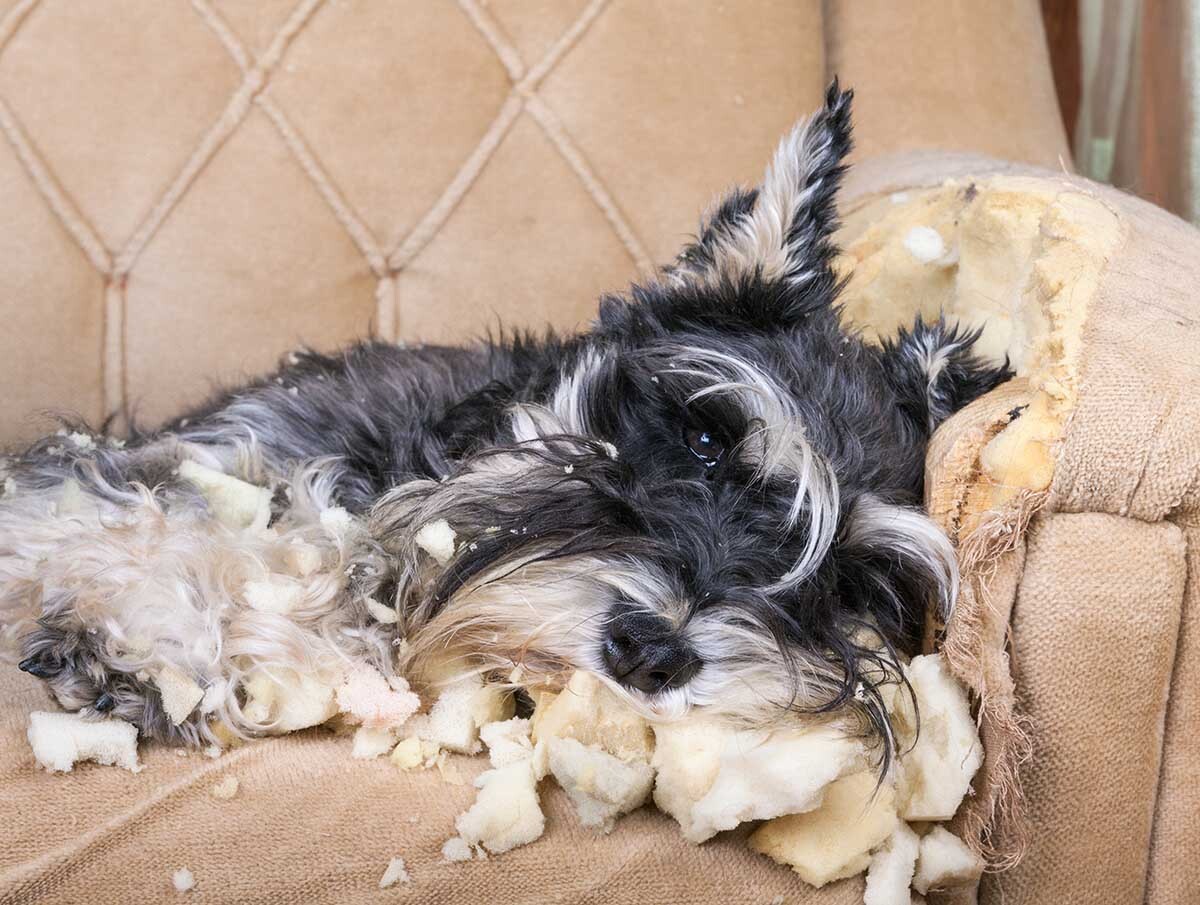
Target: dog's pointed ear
(780,231)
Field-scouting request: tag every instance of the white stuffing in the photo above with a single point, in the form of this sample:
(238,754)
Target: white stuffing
(835,839)
(462,707)
(944,861)
(601,787)
(891,871)
(507,741)
(226,789)
(925,244)
(711,777)
(587,711)
(394,874)
(371,742)
(278,594)
(381,613)
(232,501)
(61,740)
(936,774)
(183,880)
(437,539)
(336,521)
(457,849)
(374,701)
(506,812)
(282,700)
(179,694)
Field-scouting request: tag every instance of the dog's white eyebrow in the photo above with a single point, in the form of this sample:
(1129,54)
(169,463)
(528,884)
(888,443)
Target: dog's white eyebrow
(783,450)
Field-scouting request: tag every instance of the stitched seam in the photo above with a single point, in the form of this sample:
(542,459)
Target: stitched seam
(526,85)
(13,21)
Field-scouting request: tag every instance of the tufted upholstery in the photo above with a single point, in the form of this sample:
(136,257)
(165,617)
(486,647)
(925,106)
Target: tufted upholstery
(192,189)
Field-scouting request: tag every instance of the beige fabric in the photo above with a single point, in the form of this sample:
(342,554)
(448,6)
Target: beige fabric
(311,825)
(1105,662)
(187,199)
(955,75)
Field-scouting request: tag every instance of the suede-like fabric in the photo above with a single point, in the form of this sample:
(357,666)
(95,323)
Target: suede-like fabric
(185,200)
(191,190)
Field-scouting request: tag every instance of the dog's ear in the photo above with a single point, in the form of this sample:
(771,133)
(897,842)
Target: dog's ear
(780,231)
(934,370)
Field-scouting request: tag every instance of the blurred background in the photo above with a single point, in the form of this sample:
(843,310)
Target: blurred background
(1124,71)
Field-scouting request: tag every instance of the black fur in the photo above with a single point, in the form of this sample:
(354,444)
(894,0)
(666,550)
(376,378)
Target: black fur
(390,415)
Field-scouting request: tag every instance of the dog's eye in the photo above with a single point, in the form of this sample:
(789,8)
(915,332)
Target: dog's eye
(704,445)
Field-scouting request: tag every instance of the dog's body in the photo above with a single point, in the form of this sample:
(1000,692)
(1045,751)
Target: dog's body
(708,499)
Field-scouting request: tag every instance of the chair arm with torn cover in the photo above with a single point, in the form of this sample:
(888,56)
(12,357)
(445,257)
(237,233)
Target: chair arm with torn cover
(1072,494)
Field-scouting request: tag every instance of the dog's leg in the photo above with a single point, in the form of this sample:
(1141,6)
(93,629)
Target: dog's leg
(121,590)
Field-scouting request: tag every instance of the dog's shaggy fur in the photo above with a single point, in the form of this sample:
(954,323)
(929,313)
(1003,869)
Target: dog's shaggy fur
(709,498)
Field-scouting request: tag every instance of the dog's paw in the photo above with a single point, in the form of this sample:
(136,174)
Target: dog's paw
(75,664)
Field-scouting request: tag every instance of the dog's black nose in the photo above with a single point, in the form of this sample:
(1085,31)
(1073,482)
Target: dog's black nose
(642,651)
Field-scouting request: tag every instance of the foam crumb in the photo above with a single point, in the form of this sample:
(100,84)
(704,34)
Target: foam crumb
(394,874)
(944,861)
(711,776)
(835,839)
(506,812)
(601,787)
(381,613)
(285,700)
(375,702)
(212,752)
(183,880)
(336,521)
(437,539)
(891,871)
(936,773)
(456,849)
(179,694)
(226,789)
(232,501)
(61,740)
(372,742)
(278,594)
(507,741)
(925,244)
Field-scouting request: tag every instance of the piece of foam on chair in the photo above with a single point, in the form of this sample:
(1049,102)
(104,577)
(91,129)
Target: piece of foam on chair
(370,742)
(461,708)
(936,773)
(232,501)
(835,839)
(507,741)
(178,693)
(944,861)
(287,701)
(891,870)
(61,740)
(506,812)
(601,787)
(376,702)
(587,711)
(712,776)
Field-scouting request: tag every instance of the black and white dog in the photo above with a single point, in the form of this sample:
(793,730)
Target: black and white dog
(710,498)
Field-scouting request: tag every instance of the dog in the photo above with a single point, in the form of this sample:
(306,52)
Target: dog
(710,498)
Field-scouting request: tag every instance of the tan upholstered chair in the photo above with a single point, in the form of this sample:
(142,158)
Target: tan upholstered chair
(187,191)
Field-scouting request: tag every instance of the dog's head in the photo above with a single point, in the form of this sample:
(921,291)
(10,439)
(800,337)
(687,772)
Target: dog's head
(710,500)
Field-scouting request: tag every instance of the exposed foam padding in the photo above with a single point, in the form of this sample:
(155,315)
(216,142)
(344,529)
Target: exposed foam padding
(1018,257)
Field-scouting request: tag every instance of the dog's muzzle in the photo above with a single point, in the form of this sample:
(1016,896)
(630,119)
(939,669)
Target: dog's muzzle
(642,651)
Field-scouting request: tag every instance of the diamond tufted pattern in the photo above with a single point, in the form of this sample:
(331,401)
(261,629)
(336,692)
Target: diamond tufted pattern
(190,189)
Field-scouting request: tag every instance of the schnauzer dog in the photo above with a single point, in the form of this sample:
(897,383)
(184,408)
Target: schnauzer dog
(710,498)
